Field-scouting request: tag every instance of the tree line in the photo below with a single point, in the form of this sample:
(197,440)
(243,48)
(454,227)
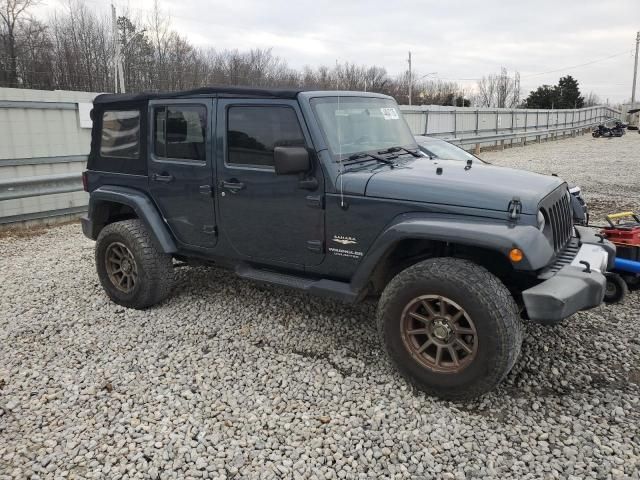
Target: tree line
(74,49)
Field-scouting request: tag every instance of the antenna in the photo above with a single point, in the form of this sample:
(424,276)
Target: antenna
(341,167)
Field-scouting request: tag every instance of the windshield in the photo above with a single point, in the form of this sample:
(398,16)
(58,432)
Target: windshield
(360,124)
(446,151)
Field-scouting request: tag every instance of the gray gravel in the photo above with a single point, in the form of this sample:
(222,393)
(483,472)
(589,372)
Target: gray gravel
(233,380)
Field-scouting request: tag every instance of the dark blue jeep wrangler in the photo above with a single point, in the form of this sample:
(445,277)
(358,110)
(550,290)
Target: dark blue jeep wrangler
(328,192)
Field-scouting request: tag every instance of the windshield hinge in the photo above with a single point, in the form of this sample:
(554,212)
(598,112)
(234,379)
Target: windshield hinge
(315,201)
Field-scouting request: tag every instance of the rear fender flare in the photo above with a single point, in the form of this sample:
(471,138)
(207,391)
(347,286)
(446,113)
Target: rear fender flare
(142,205)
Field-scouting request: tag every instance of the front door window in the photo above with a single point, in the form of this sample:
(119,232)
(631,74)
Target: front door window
(254,131)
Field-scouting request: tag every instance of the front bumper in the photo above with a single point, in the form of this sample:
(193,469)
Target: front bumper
(574,286)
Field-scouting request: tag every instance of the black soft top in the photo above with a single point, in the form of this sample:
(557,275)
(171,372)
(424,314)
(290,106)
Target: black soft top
(108,98)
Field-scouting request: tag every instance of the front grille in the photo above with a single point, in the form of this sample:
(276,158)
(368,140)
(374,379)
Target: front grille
(557,210)
(564,258)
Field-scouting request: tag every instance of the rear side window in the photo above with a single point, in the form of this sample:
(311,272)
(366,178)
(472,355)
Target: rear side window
(180,132)
(120,134)
(253,133)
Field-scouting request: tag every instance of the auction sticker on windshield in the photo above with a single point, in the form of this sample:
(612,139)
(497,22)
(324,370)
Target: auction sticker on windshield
(390,113)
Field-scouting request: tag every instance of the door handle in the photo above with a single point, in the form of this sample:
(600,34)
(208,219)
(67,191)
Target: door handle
(162,178)
(233,186)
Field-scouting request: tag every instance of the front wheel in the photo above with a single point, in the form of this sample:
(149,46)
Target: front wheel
(451,327)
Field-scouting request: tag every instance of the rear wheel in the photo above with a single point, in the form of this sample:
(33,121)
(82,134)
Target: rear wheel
(132,271)
(451,327)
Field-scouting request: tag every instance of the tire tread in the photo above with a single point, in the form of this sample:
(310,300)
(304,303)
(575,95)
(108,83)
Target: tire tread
(157,266)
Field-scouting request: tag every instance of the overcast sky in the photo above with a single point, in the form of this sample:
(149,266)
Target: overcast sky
(461,40)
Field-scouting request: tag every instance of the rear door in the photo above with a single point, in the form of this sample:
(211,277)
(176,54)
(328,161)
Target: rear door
(181,167)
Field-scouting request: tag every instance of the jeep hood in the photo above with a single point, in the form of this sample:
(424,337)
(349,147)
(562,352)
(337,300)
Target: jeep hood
(481,186)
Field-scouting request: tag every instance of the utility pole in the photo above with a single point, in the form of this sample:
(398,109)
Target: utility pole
(116,51)
(635,73)
(410,78)
(118,67)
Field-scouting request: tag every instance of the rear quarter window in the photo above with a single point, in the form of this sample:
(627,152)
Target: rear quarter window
(120,136)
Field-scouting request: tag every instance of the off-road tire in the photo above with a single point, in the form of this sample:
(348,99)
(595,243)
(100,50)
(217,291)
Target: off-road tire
(155,272)
(487,301)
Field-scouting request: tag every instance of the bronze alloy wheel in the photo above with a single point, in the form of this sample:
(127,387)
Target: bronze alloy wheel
(121,267)
(439,334)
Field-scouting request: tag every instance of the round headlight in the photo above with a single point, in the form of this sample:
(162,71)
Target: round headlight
(541,220)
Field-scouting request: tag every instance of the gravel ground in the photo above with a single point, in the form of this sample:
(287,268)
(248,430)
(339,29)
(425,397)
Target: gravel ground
(233,380)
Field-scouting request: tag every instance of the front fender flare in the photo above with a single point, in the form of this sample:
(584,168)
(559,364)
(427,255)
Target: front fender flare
(141,204)
(490,234)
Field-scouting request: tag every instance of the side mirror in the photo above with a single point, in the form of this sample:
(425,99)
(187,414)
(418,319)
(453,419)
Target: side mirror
(291,160)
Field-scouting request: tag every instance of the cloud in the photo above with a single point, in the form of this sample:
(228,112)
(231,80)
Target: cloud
(458,39)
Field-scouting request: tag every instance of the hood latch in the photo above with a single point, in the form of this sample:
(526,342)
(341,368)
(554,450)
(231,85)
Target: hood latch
(515,208)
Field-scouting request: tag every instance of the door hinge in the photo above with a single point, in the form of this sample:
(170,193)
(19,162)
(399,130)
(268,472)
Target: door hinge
(315,246)
(308,183)
(210,229)
(315,201)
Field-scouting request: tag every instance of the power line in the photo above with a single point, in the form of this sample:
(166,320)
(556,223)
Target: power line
(579,65)
(591,62)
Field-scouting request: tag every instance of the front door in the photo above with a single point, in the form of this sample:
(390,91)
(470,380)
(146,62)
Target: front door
(181,168)
(267,217)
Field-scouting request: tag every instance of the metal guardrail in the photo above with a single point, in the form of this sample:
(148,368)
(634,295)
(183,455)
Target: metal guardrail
(538,134)
(13,188)
(12,162)
(464,125)
(38,105)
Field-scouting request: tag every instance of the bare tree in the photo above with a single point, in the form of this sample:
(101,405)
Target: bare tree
(74,49)
(487,87)
(12,12)
(500,91)
(36,56)
(83,49)
(591,100)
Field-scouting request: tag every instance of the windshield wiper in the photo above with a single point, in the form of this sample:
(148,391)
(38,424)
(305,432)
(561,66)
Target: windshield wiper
(400,149)
(361,157)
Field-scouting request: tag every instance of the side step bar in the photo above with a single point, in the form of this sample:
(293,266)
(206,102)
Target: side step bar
(326,288)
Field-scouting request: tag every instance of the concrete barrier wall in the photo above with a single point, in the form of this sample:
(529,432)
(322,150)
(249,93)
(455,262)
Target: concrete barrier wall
(41,140)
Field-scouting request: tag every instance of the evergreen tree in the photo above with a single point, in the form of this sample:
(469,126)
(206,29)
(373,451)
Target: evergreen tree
(566,94)
(569,93)
(542,97)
